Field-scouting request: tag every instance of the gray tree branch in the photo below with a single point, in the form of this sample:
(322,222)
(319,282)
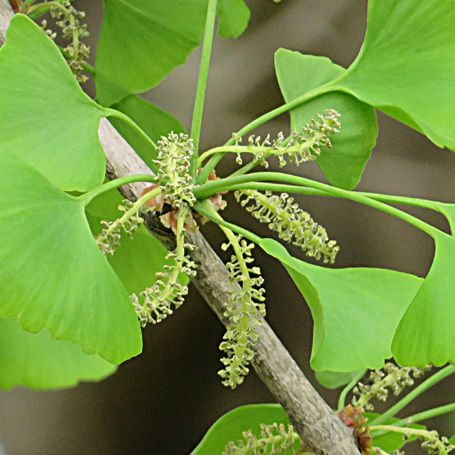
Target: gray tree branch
(318,426)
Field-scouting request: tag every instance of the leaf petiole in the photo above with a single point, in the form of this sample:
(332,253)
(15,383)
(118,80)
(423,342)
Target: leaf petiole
(229,183)
(202,81)
(348,388)
(129,121)
(205,209)
(114,184)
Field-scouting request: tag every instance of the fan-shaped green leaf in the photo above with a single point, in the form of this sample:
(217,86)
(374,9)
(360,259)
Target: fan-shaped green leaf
(165,33)
(52,274)
(45,117)
(299,74)
(356,308)
(231,426)
(406,66)
(234,16)
(38,361)
(154,121)
(448,210)
(425,334)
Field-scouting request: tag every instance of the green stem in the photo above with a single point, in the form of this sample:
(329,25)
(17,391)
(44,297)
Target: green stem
(435,412)
(38,10)
(209,188)
(347,389)
(414,432)
(113,184)
(431,381)
(204,174)
(129,121)
(205,209)
(202,82)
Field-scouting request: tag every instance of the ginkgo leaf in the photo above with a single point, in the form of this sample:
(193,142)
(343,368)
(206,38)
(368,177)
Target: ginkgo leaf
(234,16)
(231,426)
(356,308)
(154,121)
(425,334)
(165,33)
(49,122)
(406,66)
(299,74)
(52,273)
(38,361)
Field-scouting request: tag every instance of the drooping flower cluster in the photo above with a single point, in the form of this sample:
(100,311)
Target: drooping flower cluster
(109,238)
(69,22)
(244,311)
(274,439)
(167,293)
(292,224)
(393,378)
(300,147)
(436,445)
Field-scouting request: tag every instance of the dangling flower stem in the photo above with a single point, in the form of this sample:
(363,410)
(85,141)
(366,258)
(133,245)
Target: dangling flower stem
(38,10)
(425,415)
(205,209)
(204,174)
(348,388)
(167,293)
(132,211)
(300,146)
(442,447)
(431,381)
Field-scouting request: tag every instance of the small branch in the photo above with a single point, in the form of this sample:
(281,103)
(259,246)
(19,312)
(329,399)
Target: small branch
(314,421)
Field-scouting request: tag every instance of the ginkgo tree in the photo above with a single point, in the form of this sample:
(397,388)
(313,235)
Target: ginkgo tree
(72,305)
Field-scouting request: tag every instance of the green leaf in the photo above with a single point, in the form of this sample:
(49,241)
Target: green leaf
(135,260)
(154,121)
(52,273)
(38,361)
(448,210)
(357,309)
(165,33)
(234,16)
(406,66)
(300,74)
(50,123)
(390,441)
(425,334)
(334,380)
(231,426)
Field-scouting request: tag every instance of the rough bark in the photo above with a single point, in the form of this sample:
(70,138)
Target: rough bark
(320,429)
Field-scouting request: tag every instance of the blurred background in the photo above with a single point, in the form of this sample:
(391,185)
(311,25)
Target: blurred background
(163,401)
